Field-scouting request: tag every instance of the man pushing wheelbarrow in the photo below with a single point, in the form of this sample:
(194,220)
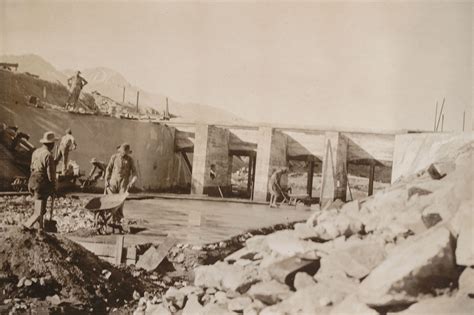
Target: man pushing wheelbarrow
(120,176)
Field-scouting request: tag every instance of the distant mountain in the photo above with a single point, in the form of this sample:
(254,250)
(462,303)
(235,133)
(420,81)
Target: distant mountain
(110,83)
(34,64)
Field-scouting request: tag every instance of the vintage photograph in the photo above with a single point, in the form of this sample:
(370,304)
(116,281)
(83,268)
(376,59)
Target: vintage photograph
(236,157)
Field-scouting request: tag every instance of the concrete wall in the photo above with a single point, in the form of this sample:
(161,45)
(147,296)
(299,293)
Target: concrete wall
(159,168)
(271,153)
(211,146)
(415,152)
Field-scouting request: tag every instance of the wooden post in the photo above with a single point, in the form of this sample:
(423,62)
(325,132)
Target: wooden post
(123,95)
(436,116)
(138,97)
(371,179)
(254,163)
(463,120)
(442,123)
(249,176)
(440,113)
(309,184)
(119,249)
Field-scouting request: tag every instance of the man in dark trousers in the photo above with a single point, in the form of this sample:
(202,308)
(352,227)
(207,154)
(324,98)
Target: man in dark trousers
(42,182)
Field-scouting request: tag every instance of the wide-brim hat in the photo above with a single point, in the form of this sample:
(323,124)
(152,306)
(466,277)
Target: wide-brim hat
(125,148)
(68,130)
(93,160)
(48,137)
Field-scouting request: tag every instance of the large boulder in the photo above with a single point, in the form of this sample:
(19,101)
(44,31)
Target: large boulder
(465,244)
(212,275)
(416,267)
(351,305)
(269,292)
(284,271)
(359,259)
(466,282)
(287,243)
(240,278)
(441,305)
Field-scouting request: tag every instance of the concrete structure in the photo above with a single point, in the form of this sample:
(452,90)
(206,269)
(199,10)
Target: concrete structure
(175,156)
(273,147)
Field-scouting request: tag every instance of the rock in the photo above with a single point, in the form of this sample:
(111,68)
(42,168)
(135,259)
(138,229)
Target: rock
(221,298)
(359,260)
(416,267)
(302,280)
(431,219)
(284,271)
(417,191)
(287,243)
(435,173)
(313,218)
(254,308)
(213,275)
(441,305)
(55,299)
(351,209)
(351,305)
(192,307)
(308,301)
(465,244)
(175,296)
(240,279)
(215,309)
(243,253)
(304,232)
(239,304)
(463,214)
(153,257)
(466,282)
(192,290)
(21,282)
(160,309)
(270,292)
(257,243)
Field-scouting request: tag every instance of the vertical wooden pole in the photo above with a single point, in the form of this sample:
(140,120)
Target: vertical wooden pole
(123,95)
(138,97)
(442,123)
(436,116)
(249,176)
(463,120)
(309,184)
(254,164)
(371,179)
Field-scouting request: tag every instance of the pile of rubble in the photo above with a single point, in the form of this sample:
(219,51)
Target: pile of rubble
(68,212)
(37,268)
(406,250)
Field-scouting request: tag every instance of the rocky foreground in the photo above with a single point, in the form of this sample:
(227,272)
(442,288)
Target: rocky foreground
(406,250)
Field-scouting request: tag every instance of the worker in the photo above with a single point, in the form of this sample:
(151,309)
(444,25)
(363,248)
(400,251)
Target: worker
(75,83)
(42,181)
(274,185)
(66,145)
(94,176)
(120,174)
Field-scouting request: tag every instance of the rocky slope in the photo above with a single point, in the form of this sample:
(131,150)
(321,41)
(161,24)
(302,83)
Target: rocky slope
(406,250)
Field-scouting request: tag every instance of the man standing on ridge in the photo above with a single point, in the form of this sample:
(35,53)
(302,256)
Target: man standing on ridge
(42,182)
(75,83)
(67,144)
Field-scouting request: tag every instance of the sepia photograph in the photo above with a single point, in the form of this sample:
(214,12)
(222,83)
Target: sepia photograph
(253,157)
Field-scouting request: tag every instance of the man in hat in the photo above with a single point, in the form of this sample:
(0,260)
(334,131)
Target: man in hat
(75,83)
(67,144)
(120,174)
(42,182)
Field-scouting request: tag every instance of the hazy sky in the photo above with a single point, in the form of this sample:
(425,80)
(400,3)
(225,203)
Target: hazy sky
(351,64)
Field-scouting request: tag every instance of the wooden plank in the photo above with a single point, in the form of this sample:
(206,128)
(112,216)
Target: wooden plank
(371,179)
(119,249)
(99,249)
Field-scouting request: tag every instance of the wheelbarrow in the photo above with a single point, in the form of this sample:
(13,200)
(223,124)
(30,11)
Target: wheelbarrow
(105,210)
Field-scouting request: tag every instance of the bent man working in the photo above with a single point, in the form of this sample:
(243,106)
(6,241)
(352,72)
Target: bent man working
(42,181)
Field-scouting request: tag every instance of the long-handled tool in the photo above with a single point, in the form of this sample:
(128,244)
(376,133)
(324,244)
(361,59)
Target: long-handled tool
(51,225)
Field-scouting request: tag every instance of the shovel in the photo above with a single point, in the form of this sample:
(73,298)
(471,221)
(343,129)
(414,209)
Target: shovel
(51,225)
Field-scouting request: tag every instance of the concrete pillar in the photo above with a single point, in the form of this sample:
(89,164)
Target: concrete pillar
(271,153)
(211,147)
(334,168)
